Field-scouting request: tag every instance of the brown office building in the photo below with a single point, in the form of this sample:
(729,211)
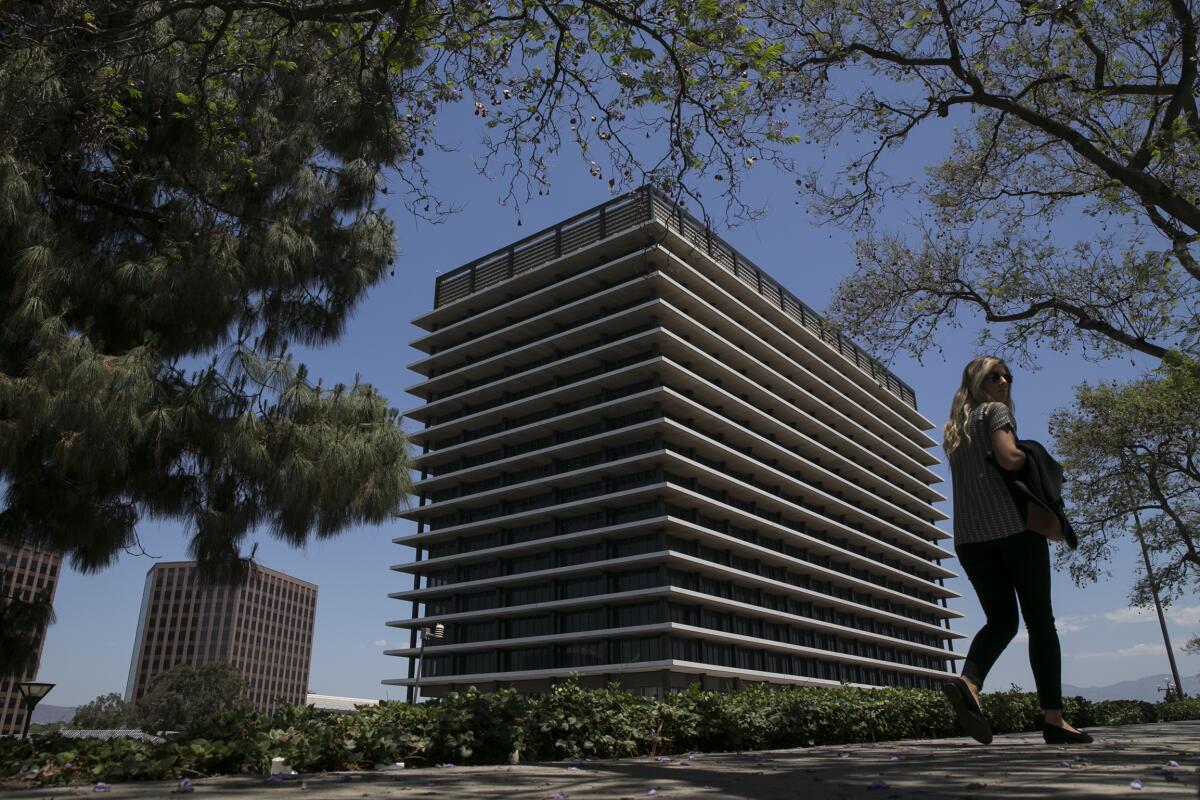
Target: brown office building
(24,573)
(644,460)
(264,628)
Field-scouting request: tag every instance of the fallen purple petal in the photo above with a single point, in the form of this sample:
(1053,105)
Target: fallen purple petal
(1172,763)
(895,758)
(652,793)
(185,786)
(1135,784)
(102,787)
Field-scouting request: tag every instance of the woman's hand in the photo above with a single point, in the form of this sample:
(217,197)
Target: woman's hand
(1004,448)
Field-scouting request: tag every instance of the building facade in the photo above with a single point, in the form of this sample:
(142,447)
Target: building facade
(643,460)
(24,573)
(263,627)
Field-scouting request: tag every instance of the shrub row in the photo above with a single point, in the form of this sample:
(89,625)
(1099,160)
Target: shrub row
(568,722)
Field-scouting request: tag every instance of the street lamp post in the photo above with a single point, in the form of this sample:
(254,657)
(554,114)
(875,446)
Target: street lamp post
(437,632)
(32,693)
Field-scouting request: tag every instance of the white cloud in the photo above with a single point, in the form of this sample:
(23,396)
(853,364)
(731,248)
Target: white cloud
(381,642)
(1130,615)
(1144,649)
(1184,615)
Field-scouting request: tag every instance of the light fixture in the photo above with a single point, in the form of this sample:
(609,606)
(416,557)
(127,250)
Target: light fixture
(32,693)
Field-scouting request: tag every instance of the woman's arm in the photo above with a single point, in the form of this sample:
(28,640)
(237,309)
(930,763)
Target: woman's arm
(1004,448)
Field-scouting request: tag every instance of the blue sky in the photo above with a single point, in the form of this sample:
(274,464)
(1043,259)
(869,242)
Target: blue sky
(88,650)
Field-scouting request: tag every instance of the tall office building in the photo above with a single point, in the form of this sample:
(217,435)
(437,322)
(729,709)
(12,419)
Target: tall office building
(643,460)
(24,573)
(264,628)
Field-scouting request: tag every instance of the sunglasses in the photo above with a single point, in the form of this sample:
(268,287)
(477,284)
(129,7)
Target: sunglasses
(996,377)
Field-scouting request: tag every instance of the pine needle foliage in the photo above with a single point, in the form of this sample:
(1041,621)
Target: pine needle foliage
(183,193)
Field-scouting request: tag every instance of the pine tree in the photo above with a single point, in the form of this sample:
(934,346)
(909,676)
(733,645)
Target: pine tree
(182,195)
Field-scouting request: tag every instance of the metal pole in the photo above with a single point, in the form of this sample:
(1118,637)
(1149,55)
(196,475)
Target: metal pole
(420,663)
(28,719)
(1162,621)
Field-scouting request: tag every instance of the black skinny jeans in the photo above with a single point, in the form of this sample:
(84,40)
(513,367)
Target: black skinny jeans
(1002,572)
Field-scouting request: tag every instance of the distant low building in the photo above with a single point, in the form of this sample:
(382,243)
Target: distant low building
(343,705)
(264,628)
(23,573)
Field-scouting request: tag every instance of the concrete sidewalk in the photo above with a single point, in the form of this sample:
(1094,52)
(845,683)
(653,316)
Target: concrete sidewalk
(1163,759)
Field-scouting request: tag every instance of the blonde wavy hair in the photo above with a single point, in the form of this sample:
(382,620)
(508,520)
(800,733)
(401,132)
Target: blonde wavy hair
(969,395)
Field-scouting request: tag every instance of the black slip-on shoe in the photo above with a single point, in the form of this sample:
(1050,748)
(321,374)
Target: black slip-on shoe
(1056,735)
(969,714)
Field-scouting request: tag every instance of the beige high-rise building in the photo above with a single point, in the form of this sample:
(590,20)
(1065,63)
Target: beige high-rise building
(643,460)
(24,573)
(264,628)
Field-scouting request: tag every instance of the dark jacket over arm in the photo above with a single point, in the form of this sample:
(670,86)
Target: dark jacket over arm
(1039,481)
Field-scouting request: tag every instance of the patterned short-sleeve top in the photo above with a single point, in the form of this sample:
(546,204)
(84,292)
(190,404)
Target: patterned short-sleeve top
(983,508)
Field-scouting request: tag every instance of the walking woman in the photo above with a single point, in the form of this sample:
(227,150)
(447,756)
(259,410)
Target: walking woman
(1005,562)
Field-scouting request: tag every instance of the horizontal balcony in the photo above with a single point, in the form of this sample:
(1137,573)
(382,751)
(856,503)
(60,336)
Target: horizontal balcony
(687,631)
(674,558)
(696,668)
(768,557)
(655,641)
(690,597)
(673,493)
(592,355)
(701,389)
(843,494)
(777,320)
(555,328)
(704,301)
(562,307)
(475,287)
(515,393)
(521,269)
(596,339)
(578,392)
(688,450)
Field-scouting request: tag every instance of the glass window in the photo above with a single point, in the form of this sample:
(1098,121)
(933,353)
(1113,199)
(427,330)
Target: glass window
(584,654)
(541,625)
(588,619)
(640,579)
(583,587)
(640,614)
(531,658)
(535,593)
(581,555)
(627,651)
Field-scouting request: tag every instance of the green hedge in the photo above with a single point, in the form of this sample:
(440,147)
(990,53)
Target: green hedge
(568,722)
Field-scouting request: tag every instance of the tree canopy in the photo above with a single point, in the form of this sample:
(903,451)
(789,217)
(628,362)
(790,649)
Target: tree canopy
(108,711)
(193,700)
(1080,109)
(1134,448)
